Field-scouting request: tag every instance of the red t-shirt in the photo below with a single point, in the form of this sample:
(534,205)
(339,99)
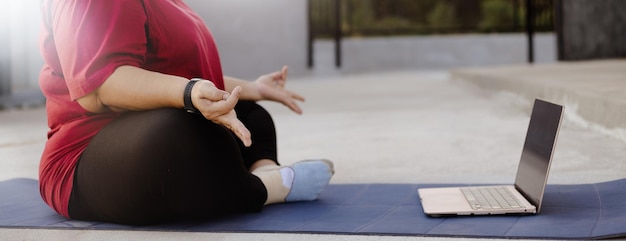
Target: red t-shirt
(82,43)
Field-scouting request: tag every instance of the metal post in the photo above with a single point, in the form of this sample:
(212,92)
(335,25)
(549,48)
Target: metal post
(349,21)
(558,19)
(310,36)
(338,33)
(530,17)
(515,15)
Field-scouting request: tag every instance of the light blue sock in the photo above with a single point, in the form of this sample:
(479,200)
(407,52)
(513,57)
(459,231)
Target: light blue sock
(310,179)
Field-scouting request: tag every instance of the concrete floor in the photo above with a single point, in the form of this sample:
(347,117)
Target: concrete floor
(401,127)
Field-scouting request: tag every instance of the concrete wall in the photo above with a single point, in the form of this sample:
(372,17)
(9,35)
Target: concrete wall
(435,52)
(593,29)
(20,22)
(257,37)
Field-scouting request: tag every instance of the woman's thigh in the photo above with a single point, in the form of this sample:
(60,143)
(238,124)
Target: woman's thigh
(154,166)
(262,129)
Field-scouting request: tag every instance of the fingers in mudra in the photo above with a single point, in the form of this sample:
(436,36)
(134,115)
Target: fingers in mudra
(231,122)
(213,102)
(218,106)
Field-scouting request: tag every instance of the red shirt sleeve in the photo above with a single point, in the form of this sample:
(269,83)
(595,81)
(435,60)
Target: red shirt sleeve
(90,42)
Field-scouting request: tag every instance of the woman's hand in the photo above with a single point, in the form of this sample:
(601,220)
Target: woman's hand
(218,106)
(272,87)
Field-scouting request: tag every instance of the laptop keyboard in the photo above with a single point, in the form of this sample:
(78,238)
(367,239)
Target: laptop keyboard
(497,197)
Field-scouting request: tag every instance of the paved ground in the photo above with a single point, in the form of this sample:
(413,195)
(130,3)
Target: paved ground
(592,90)
(405,127)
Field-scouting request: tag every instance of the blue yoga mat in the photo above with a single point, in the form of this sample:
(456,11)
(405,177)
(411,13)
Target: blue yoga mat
(582,211)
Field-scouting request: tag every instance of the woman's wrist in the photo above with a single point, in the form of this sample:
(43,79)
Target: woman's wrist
(249,90)
(188,103)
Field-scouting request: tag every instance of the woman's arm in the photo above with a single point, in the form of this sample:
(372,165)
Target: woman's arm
(267,87)
(132,88)
(248,88)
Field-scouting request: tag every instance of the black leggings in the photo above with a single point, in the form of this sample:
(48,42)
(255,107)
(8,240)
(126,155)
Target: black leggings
(168,165)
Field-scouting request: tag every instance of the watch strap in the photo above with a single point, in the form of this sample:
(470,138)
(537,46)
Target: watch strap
(187,96)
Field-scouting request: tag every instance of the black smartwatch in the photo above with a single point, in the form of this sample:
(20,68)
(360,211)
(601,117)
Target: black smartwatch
(187,96)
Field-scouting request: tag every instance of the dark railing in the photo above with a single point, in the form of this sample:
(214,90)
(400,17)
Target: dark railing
(349,18)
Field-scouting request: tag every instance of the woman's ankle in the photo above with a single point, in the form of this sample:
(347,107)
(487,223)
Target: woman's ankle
(264,165)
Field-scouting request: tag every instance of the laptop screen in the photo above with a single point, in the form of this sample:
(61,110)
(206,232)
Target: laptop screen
(534,165)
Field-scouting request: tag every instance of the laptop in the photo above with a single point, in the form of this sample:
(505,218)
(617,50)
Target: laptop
(526,195)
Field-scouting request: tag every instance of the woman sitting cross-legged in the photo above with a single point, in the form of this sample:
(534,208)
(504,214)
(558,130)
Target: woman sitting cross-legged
(145,128)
